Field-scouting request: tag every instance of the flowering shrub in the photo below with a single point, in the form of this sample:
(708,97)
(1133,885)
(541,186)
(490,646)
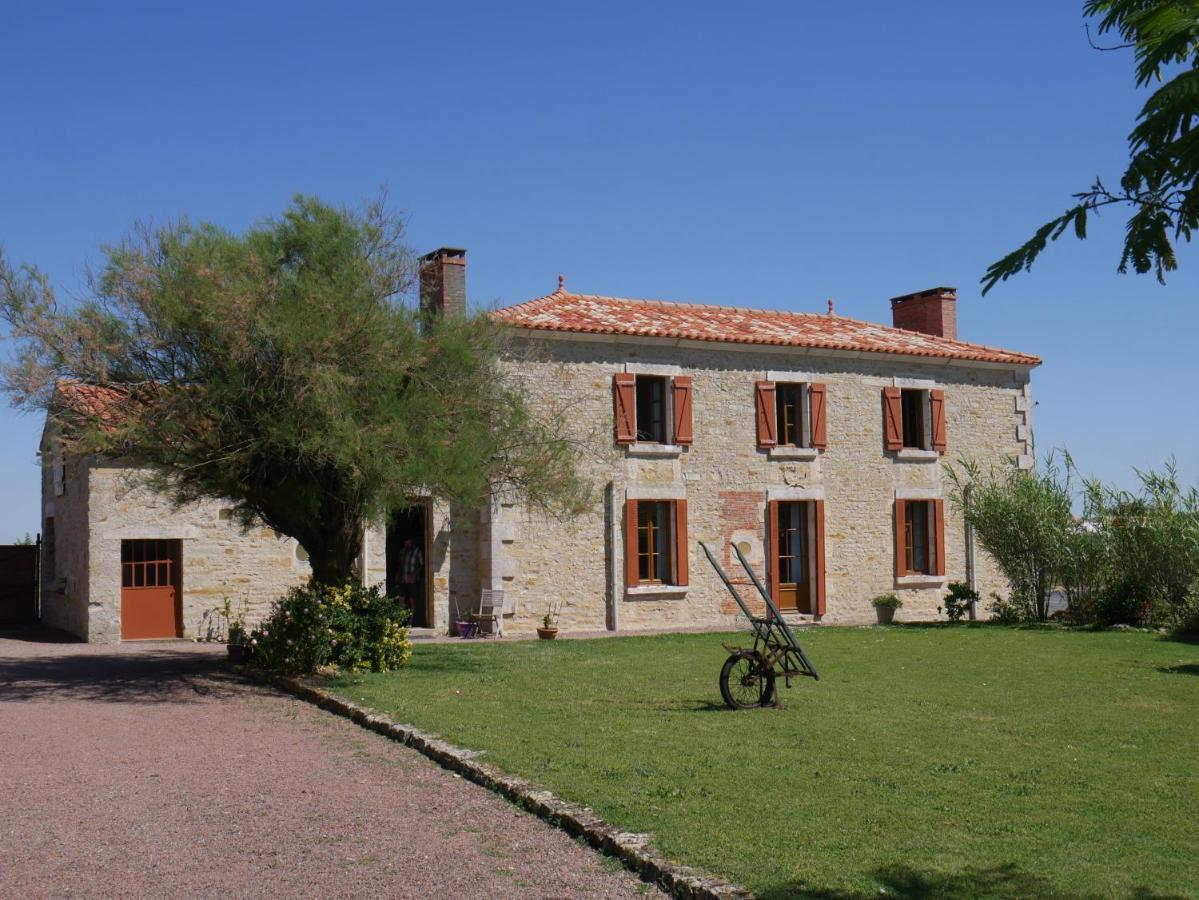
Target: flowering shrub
(350,627)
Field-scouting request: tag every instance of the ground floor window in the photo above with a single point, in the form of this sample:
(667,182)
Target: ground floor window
(656,542)
(919,537)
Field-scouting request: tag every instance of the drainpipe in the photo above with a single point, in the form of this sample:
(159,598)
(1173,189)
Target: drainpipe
(613,598)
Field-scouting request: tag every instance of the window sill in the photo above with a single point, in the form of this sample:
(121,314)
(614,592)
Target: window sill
(800,453)
(912,454)
(656,592)
(915,581)
(654,449)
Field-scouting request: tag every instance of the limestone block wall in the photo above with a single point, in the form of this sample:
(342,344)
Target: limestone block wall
(252,568)
(727,480)
(64,599)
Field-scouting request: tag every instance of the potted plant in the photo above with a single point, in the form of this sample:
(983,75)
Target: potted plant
(549,624)
(885,606)
(238,645)
(237,637)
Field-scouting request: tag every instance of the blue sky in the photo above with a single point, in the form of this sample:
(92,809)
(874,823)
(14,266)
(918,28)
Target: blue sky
(767,154)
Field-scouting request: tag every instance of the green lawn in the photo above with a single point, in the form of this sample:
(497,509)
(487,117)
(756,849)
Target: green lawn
(929,761)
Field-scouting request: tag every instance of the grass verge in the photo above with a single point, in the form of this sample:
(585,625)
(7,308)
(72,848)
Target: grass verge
(929,761)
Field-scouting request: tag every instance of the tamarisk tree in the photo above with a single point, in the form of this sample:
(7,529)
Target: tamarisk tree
(1159,186)
(283,370)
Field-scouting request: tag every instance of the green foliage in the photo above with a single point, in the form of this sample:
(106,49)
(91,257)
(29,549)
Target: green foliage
(1159,184)
(1150,548)
(1022,518)
(886,601)
(27,541)
(284,370)
(350,627)
(1013,610)
(1121,603)
(958,599)
(1131,558)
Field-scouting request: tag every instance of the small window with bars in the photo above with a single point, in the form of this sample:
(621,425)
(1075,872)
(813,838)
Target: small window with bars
(149,563)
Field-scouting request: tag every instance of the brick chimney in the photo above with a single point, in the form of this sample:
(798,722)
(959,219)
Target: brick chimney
(443,283)
(934,311)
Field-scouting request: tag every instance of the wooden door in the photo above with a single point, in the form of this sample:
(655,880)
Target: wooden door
(790,546)
(151,602)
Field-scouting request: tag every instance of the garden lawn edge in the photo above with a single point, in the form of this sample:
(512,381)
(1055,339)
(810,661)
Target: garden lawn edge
(631,848)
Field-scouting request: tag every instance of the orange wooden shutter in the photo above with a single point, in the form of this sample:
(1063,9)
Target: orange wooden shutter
(681,386)
(767,419)
(819,426)
(939,535)
(892,419)
(772,544)
(818,536)
(630,544)
(680,542)
(936,402)
(901,547)
(625,407)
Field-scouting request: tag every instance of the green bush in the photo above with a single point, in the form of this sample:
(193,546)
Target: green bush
(887,601)
(958,599)
(1122,603)
(1151,548)
(350,627)
(1012,611)
(1186,623)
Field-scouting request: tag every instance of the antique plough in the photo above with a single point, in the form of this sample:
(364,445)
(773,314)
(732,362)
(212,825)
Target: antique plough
(749,676)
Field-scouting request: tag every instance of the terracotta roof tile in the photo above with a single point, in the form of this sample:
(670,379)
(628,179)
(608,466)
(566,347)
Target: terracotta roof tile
(587,314)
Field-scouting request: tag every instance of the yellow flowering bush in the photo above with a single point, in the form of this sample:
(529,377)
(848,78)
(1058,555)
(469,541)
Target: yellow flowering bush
(350,627)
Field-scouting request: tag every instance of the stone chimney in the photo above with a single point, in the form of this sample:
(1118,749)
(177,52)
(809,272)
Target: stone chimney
(934,311)
(443,283)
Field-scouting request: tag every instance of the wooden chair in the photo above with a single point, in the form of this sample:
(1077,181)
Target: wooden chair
(490,612)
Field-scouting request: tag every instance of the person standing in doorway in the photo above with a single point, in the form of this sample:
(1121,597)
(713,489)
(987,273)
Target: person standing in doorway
(412,572)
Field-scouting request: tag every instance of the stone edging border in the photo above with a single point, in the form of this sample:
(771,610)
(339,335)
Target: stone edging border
(578,821)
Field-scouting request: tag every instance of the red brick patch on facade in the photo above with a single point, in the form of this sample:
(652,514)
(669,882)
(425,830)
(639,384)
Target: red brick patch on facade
(740,511)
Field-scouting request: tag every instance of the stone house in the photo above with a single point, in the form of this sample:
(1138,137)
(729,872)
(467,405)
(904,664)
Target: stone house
(815,442)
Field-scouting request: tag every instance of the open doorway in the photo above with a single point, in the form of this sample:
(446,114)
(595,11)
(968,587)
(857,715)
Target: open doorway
(408,561)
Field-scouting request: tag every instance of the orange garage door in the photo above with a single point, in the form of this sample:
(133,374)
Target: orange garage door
(151,602)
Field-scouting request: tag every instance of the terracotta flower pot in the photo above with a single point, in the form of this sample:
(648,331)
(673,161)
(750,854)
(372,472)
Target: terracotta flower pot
(239,653)
(547,634)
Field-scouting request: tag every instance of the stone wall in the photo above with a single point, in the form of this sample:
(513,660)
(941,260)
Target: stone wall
(727,479)
(64,598)
(579,563)
(251,568)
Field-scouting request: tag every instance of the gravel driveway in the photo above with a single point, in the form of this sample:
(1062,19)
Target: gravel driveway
(145,770)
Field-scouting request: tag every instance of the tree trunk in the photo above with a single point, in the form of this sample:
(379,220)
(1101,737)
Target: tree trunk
(333,552)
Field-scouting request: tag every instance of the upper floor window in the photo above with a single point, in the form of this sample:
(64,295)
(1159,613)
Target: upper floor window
(652,409)
(791,414)
(914,419)
(788,406)
(913,403)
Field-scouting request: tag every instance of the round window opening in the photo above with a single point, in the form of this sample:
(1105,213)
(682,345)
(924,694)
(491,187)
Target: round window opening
(301,553)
